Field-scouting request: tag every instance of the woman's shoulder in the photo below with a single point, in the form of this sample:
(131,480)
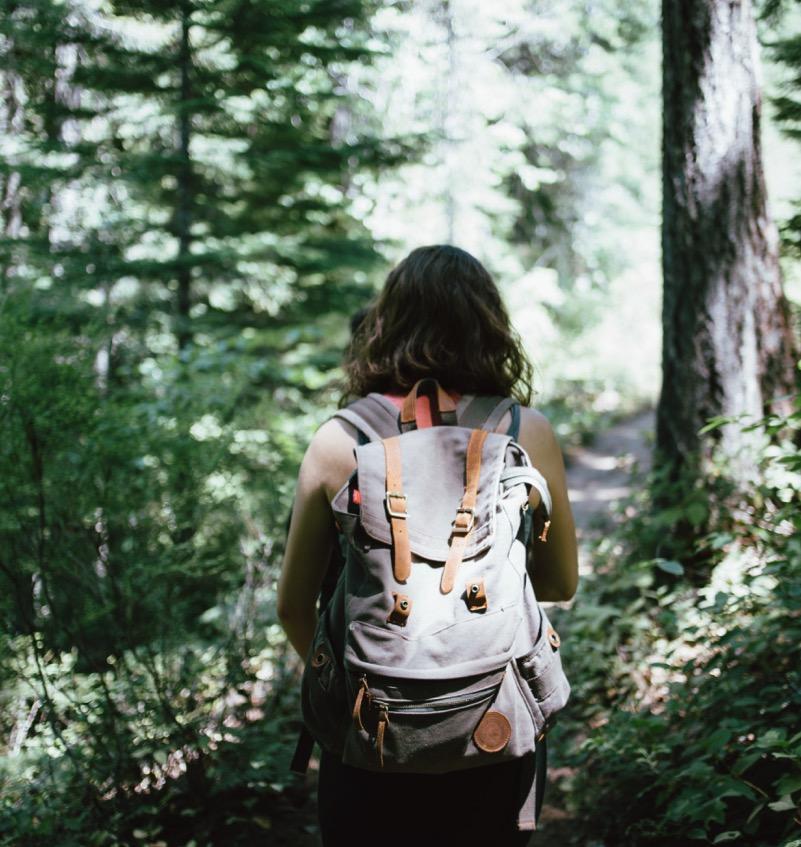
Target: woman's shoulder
(538,439)
(331,451)
(534,419)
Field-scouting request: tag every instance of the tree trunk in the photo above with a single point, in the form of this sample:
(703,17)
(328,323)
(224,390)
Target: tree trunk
(728,346)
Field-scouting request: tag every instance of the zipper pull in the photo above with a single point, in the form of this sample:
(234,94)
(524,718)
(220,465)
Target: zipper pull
(357,705)
(383,720)
(544,534)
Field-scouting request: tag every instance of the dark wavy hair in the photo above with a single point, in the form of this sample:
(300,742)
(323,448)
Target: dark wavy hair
(439,314)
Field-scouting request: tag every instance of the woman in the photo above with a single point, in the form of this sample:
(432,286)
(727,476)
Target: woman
(439,314)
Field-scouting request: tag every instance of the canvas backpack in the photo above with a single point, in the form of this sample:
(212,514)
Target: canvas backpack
(432,653)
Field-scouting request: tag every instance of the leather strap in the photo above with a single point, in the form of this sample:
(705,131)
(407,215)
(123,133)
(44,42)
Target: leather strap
(395,501)
(476,595)
(465,515)
(445,407)
(357,704)
(401,610)
(383,720)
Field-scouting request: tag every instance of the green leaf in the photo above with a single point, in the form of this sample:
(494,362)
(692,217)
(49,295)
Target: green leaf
(746,760)
(669,566)
(784,805)
(788,784)
(726,836)
(714,423)
(696,513)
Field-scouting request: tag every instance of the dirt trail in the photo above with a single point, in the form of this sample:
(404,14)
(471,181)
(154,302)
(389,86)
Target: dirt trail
(597,475)
(604,472)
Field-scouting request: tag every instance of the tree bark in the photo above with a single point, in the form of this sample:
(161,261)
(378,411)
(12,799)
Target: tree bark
(728,345)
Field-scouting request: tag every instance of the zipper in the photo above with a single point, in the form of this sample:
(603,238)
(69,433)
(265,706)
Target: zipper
(450,702)
(434,705)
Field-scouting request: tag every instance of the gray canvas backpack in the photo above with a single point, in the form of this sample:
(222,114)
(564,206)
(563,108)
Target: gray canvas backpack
(432,653)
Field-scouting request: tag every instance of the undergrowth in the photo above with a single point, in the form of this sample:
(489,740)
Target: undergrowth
(685,721)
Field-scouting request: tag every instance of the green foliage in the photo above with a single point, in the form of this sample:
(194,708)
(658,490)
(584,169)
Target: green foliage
(224,781)
(688,697)
(179,262)
(184,237)
(785,51)
(580,408)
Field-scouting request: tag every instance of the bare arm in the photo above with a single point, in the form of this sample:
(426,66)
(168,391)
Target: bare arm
(327,463)
(553,564)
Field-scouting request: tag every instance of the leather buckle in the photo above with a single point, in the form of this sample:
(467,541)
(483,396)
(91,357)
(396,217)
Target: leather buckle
(462,510)
(398,496)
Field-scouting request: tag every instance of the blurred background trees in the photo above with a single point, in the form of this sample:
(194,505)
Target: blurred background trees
(195,201)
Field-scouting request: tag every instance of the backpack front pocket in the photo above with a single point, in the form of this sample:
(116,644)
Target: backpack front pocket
(415,725)
(323,692)
(433,726)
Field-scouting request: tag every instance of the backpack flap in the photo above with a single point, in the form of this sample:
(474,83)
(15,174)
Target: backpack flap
(433,463)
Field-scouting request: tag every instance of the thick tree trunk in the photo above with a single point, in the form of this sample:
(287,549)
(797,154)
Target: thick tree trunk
(728,346)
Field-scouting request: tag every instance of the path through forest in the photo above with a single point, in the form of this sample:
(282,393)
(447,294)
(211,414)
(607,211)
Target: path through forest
(604,472)
(597,476)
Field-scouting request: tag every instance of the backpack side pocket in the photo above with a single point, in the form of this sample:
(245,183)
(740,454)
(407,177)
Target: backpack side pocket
(541,669)
(323,696)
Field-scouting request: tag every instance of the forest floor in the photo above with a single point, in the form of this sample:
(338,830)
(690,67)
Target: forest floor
(597,475)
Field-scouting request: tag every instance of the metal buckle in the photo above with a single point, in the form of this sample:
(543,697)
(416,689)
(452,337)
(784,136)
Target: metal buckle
(394,513)
(465,530)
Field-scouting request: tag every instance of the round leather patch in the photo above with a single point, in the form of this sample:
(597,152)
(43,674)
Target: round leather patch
(493,732)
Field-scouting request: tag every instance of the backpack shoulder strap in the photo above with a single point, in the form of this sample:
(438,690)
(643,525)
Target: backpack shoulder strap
(374,415)
(378,417)
(501,408)
(472,409)
(484,411)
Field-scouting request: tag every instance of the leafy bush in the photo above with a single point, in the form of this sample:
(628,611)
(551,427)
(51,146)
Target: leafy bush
(685,727)
(141,667)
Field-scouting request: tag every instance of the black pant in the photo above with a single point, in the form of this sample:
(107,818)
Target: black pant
(475,806)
